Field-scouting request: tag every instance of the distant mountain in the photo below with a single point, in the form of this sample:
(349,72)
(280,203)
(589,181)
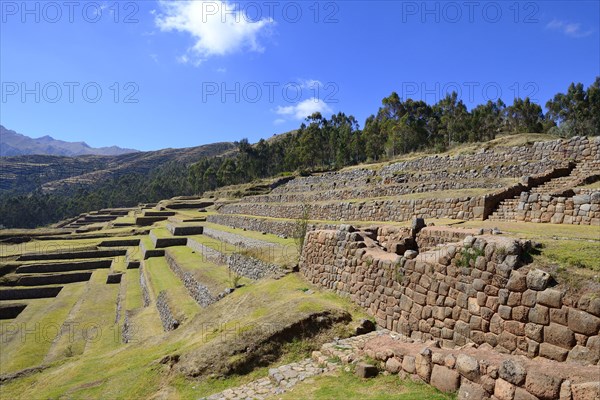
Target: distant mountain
(16,144)
(51,173)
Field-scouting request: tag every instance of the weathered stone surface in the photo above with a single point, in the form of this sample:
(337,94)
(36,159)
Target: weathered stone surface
(468,367)
(517,282)
(550,298)
(553,352)
(445,379)
(513,372)
(423,364)
(504,390)
(586,391)
(471,391)
(534,331)
(522,394)
(543,386)
(364,370)
(537,279)
(583,322)
(408,364)
(583,355)
(559,335)
(539,315)
(565,391)
(393,365)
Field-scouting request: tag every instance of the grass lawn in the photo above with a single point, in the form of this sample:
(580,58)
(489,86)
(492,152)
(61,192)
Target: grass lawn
(594,186)
(133,297)
(36,328)
(132,371)
(346,385)
(91,322)
(215,277)
(162,233)
(269,237)
(574,247)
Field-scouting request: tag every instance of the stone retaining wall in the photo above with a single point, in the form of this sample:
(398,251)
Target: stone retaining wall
(473,374)
(197,291)
(63,267)
(489,298)
(583,209)
(253,268)
(373,210)
(120,243)
(169,322)
(280,228)
(249,267)
(70,255)
(29,293)
(53,279)
(209,254)
(237,240)
(144,287)
(430,237)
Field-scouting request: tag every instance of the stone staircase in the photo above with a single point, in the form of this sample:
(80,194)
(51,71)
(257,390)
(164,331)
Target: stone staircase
(584,172)
(506,211)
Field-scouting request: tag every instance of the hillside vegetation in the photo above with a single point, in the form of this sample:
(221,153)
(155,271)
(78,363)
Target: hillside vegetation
(41,191)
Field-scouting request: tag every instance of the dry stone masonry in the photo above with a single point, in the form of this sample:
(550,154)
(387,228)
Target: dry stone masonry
(197,291)
(365,193)
(475,291)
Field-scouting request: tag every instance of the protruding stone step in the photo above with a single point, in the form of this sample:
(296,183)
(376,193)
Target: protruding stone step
(185,229)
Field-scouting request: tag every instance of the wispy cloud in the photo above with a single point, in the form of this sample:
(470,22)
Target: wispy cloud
(279,121)
(571,29)
(304,108)
(216,27)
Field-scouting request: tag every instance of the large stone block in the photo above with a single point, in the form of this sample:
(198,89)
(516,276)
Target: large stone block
(444,379)
(550,298)
(504,390)
(586,391)
(553,352)
(468,367)
(583,322)
(559,335)
(513,372)
(537,279)
(543,386)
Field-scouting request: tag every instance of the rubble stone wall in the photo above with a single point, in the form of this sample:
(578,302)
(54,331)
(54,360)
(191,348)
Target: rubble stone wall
(475,291)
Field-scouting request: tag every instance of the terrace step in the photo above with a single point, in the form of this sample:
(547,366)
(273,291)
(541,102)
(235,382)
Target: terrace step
(11,311)
(72,255)
(29,293)
(64,267)
(48,279)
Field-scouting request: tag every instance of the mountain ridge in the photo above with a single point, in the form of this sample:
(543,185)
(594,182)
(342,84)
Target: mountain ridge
(13,143)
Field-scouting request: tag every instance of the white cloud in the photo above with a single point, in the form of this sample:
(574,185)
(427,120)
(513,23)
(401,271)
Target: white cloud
(221,70)
(571,29)
(310,83)
(216,27)
(279,121)
(304,109)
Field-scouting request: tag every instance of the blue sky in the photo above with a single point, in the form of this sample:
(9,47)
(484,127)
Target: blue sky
(155,74)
